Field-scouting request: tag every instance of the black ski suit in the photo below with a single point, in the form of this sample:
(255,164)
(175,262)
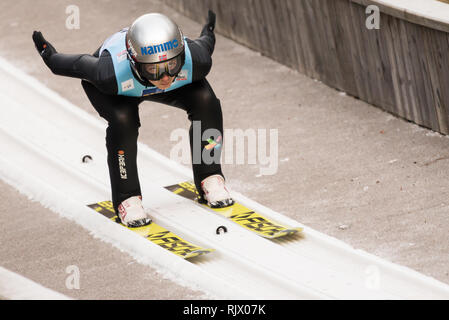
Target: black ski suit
(122,113)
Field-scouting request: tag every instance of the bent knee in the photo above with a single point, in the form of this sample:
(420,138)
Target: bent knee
(124,119)
(206,103)
(207,97)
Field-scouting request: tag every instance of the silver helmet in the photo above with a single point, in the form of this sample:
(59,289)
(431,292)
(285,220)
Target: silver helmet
(155,46)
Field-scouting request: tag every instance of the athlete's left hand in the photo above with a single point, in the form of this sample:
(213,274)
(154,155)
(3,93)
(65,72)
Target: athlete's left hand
(211,17)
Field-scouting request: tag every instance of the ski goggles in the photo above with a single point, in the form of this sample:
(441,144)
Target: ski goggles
(155,71)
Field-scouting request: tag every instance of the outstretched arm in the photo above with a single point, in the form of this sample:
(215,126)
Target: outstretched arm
(98,71)
(202,48)
(207,37)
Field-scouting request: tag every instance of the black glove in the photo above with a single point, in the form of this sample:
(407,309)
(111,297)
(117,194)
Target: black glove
(45,49)
(210,23)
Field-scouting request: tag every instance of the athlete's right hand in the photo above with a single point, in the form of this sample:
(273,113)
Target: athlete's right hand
(45,49)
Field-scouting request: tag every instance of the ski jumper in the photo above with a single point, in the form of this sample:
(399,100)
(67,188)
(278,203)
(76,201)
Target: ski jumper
(116,93)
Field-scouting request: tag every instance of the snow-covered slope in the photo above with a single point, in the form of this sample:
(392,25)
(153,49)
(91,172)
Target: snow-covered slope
(44,138)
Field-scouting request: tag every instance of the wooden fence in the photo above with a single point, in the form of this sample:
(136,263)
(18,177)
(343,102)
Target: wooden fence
(402,67)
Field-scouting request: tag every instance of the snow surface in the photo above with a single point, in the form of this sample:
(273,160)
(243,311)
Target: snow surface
(44,137)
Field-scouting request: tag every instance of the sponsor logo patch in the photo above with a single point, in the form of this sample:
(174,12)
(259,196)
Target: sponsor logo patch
(127,85)
(121,56)
(122,165)
(167,46)
(151,91)
(182,75)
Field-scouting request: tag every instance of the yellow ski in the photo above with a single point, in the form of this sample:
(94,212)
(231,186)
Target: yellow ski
(155,233)
(238,213)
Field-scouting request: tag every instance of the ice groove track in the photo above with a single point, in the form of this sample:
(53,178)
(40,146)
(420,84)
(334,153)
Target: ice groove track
(234,269)
(44,165)
(44,138)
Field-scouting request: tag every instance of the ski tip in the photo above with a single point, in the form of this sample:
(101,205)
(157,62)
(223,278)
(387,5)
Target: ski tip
(284,233)
(199,252)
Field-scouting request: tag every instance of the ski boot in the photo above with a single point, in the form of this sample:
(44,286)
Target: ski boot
(132,214)
(215,193)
